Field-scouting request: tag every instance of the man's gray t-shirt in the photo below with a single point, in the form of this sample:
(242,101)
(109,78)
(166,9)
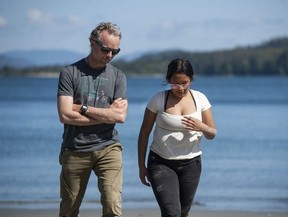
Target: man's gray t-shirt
(97,88)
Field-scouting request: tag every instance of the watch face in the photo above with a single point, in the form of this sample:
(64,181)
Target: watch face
(83,109)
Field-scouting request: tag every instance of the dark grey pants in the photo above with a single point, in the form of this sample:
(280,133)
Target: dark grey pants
(174,183)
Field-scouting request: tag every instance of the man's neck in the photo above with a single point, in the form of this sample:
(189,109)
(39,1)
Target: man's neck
(92,63)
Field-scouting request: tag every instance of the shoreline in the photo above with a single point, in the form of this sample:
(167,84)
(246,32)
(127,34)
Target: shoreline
(134,212)
(132,209)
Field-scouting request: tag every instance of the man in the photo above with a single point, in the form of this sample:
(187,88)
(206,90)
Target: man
(91,100)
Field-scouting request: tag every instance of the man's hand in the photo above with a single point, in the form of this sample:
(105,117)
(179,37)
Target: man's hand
(119,103)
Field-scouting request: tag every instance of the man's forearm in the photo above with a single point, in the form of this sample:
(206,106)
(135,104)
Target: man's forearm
(75,118)
(116,113)
(107,115)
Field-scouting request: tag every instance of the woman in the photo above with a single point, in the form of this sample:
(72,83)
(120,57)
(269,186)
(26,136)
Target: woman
(182,117)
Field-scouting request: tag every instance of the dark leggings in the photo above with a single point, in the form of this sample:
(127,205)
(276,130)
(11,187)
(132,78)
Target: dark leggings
(174,183)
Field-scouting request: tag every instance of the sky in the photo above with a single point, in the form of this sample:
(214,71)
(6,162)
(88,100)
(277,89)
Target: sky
(146,25)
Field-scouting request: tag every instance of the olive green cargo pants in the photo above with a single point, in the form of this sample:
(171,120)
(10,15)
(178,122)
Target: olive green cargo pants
(76,169)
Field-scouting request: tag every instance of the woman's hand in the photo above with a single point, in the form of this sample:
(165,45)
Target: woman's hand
(193,124)
(143,174)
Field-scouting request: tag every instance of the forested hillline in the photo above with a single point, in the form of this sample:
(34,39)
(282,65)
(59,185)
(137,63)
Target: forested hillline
(269,58)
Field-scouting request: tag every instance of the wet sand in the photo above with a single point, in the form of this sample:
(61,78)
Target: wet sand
(135,213)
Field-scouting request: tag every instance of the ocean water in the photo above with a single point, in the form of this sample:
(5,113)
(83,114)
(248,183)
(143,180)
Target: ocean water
(244,168)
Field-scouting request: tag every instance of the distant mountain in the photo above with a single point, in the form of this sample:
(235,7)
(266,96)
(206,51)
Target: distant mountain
(36,58)
(20,59)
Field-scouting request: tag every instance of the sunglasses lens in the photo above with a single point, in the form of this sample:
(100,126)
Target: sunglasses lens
(105,50)
(115,51)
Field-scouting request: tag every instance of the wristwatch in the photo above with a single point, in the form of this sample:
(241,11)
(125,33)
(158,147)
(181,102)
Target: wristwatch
(83,109)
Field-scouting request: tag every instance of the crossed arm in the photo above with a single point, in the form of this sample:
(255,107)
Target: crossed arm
(69,112)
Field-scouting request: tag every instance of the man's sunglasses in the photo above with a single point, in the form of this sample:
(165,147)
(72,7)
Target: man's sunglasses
(106,50)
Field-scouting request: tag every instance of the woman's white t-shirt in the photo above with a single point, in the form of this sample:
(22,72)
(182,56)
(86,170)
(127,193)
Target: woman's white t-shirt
(171,140)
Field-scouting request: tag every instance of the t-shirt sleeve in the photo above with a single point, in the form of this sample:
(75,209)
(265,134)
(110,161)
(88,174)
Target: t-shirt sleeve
(156,102)
(204,102)
(65,83)
(121,86)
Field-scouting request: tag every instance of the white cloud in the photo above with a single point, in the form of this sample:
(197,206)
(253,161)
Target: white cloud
(34,15)
(168,25)
(3,21)
(75,20)
(37,16)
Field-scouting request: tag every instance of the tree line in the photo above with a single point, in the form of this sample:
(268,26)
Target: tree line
(269,58)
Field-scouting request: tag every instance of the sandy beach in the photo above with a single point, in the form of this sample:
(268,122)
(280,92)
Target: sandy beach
(136,213)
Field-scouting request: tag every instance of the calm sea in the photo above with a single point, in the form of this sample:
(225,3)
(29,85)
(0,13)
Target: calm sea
(244,168)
